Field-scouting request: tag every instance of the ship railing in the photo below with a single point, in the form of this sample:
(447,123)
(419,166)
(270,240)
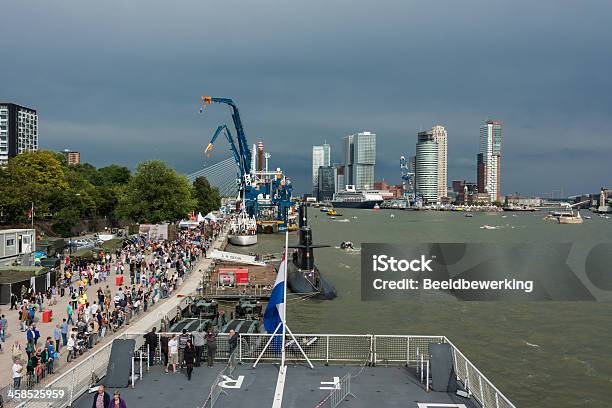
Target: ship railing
(76,381)
(340,391)
(328,348)
(476,383)
(413,351)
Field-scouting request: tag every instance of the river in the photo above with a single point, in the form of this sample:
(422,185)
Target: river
(540,354)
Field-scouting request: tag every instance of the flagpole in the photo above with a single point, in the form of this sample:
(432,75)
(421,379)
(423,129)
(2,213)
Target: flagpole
(32,213)
(284,317)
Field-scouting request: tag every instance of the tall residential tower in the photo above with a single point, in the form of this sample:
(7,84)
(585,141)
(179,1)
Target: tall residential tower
(426,167)
(360,159)
(18,131)
(489,159)
(432,189)
(320,157)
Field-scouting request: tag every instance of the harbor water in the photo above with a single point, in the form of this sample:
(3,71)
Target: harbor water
(540,354)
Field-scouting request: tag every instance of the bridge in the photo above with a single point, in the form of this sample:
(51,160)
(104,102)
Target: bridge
(221,175)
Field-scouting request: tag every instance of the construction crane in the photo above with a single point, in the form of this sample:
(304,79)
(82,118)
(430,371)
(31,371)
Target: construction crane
(407,180)
(279,189)
(233,148)
(243,147)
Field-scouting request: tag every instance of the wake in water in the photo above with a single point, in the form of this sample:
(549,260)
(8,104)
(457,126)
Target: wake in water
(531,344)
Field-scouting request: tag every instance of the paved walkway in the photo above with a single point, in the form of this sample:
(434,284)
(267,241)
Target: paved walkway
(142,323)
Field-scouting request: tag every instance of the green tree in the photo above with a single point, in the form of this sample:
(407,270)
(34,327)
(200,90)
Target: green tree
(114,175)
(207,196)
(156,193)
(31,177)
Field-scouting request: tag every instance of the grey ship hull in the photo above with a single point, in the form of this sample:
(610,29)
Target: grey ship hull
(297,282)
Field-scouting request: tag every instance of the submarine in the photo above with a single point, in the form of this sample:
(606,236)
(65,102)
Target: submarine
(303,276)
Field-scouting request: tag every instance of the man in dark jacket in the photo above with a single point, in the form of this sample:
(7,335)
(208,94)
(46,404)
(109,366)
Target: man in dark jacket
(101,399)
(151,343)
(164,349)
(189,357)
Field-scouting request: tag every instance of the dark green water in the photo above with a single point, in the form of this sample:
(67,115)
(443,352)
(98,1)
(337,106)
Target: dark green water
(540,354)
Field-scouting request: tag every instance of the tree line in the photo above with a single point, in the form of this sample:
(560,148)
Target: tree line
(65,194)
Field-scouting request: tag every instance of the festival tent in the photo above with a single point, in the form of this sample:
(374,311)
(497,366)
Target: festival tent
(14,278)
(211,217)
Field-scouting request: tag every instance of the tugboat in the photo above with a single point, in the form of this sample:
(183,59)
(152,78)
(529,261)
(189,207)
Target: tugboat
(303,276)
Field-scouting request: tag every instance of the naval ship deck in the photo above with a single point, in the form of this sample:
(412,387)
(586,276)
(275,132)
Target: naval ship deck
(304,387)
(349,370)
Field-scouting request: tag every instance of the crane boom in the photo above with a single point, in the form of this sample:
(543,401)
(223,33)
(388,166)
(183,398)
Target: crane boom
(243,146)
(230,139)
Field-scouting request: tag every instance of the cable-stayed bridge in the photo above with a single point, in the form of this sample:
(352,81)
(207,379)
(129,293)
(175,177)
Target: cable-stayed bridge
(221,175)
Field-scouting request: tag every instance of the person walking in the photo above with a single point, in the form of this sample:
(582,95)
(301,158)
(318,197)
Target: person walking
(189,357)
(198,343)
(69,311)
(182,340)
(102,398)
(64,332)
(70,348)
(17,374)
(173,353)
(151,343)
(57,335)
(211,347)
(3,328)
(164,349)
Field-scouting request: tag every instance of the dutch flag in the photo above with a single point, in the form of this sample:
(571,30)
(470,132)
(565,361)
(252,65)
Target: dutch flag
(275,311)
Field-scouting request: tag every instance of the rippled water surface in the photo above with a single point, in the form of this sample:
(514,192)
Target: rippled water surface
(540,354)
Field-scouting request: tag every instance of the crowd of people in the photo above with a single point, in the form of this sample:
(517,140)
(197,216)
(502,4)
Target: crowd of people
(145,271)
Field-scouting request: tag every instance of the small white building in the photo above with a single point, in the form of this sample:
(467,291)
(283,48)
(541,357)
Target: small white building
(15,243)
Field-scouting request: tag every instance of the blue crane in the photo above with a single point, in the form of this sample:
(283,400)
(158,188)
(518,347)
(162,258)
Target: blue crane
(243,146)
(407,180)
(279,189)
(228,135)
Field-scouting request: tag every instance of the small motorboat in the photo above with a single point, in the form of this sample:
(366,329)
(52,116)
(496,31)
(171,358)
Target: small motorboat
(469,215)
(376,207)
(488,227)
(347,245)
(333,212)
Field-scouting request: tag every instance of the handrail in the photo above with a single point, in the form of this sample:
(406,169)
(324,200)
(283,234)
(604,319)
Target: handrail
(329,348)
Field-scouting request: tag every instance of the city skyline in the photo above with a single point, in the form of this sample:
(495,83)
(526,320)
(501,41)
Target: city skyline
(112,97)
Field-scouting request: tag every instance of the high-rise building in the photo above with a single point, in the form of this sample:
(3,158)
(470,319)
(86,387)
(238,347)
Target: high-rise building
(339,178)
(321,156)
(426,166)
(489,160)
(72,157)
(18,131)
(440,136)
(326,185)
(360,159)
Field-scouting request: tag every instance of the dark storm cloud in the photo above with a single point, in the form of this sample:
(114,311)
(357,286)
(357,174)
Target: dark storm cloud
(120,81)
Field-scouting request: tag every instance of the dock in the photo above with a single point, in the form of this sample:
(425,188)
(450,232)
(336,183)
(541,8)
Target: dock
(260,281)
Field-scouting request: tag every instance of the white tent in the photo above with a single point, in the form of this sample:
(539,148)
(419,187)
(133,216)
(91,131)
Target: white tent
(210,217)
(200,217)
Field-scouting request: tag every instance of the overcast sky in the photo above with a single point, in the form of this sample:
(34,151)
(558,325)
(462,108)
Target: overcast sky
(120,81)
